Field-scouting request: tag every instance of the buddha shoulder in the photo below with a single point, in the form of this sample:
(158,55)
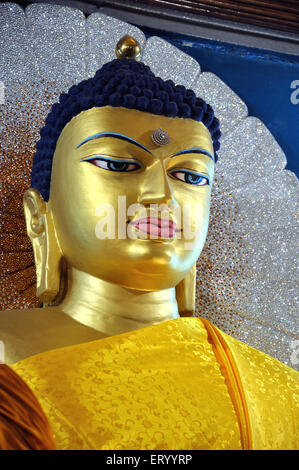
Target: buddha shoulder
(28,332)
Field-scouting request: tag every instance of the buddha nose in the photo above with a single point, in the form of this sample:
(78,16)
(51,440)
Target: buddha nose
(156,187)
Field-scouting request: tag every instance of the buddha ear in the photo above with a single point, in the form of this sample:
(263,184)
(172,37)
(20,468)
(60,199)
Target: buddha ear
(47,254)
(185,294)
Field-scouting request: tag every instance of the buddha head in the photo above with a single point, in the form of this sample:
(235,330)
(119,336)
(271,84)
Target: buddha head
(127,150)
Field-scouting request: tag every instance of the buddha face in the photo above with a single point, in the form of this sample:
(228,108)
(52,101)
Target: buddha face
(106,158)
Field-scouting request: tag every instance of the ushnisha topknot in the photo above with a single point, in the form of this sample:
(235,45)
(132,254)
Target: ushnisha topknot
(120,83)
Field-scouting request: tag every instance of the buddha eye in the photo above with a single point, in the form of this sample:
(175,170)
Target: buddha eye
(113,165)
(190,177)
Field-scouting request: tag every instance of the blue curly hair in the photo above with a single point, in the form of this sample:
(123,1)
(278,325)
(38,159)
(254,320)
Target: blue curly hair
(125,83)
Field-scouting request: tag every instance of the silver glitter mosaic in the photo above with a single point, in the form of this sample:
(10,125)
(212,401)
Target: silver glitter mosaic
(57,36)
(247,280)
(167,62)
(228,107)
(14,40)
(247,153)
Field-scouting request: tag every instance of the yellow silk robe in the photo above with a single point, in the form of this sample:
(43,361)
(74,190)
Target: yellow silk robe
(180,384)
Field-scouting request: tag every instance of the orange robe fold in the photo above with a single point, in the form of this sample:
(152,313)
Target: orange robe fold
(23,424)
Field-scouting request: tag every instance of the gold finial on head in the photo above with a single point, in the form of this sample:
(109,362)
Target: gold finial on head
(127,47)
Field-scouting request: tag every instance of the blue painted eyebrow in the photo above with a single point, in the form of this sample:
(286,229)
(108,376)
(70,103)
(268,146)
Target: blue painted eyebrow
(195,150)
(116,136)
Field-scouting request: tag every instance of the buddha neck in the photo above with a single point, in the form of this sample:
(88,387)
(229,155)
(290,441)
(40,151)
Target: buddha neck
(112,309)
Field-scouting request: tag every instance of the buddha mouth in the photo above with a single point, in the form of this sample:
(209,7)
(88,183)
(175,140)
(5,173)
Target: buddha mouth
(155,226)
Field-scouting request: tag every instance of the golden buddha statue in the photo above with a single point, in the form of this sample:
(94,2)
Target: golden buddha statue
(114,357)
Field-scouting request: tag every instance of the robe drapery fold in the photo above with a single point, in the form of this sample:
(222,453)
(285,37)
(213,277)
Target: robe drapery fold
(233,380)
(180,384)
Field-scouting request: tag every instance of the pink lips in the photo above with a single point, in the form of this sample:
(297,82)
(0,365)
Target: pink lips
(158,227)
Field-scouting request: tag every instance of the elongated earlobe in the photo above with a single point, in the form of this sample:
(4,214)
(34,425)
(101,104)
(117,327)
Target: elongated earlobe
(185,294)
(47,254)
